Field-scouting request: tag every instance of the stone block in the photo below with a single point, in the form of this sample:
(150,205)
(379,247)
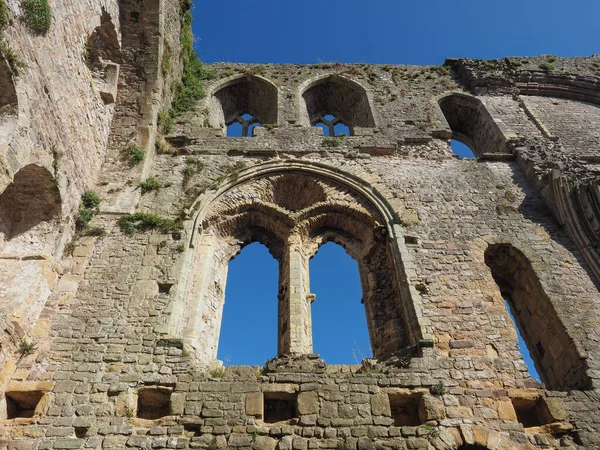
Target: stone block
(308,403)
(264,443)
(254,404)
(380,405)
(431,408)
(506,411)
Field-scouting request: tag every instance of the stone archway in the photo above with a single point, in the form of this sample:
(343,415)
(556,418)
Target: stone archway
(266,206)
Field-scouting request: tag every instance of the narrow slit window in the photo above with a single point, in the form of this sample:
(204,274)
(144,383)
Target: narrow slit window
(250,308)
(340,333)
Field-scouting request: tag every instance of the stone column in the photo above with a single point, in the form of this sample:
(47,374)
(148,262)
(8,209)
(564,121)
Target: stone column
(295,327)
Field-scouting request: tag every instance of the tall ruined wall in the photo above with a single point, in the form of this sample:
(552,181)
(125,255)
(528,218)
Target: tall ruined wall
(128,324)
(57,130)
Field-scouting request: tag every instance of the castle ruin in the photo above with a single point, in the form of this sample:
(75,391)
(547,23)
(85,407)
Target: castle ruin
(110,312)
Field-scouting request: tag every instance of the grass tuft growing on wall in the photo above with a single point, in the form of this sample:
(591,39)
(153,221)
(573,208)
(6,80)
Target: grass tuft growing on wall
(130,223)
(15,64)
(37,15)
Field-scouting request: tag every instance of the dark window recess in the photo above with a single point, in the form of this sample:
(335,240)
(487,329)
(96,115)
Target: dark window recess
(279,406)
(532,413)
(22,404)
(164,288)
(405,410)
(153,403)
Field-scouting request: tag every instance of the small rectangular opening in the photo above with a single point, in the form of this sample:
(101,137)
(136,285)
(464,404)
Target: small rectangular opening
(22,403)
(164,288)
(279,406)
(531,413)
(405,409)
(153,403)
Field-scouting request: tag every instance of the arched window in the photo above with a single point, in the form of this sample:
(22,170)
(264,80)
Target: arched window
(461,150)
(337,105)
(242,126)
(241,104)
(340,333)
(471,124)
(250,308)
(293,213)
(553,351)
(30,199)
(333,126)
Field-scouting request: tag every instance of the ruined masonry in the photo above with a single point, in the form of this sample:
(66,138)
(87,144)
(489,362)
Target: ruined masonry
(109,332)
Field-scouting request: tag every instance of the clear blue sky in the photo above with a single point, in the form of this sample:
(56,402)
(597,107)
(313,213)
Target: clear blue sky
(353,31)
(392,31)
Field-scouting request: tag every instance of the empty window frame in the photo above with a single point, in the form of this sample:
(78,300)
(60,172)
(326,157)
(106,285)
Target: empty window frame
(242,104)
(539,324)
(337,105)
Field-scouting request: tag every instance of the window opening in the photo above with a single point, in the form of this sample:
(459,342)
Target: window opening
(532,412)
(563,367)
(250,309)
(33,197)
(472,124)
(332,126)
(342,98)
(153,403)
(405,409)
(279,406)
(242,126)
(22,403)
(460,149)
(340,333)
(523,346)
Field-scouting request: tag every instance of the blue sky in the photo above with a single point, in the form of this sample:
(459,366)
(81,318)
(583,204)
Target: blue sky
(353,31)
(392,31)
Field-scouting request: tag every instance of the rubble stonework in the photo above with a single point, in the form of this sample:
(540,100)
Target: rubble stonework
(109,338)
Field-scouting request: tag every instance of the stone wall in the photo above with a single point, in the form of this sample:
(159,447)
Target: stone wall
(113,344)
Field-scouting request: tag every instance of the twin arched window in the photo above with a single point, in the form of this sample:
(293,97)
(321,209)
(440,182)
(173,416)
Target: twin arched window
(293,214)
(333,103)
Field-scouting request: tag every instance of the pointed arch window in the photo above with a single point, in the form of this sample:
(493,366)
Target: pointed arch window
(338,105)
(293,214)
(555,354)
(241,104)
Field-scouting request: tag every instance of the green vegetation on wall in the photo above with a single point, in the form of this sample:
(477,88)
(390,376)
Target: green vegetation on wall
(189,90)
(38,15)
(3,16)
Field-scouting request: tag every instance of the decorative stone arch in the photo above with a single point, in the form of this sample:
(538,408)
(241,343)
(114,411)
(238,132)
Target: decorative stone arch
(339,207)
(559,359)
(103,57)
(339,96)
(230,99)
(574,87)
(472,124)
(33,197)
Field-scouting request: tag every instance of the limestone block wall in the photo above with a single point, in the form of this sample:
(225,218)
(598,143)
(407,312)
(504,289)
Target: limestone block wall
(128,324)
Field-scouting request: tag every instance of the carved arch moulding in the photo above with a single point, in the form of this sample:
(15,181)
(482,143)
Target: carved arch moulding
(293,208)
